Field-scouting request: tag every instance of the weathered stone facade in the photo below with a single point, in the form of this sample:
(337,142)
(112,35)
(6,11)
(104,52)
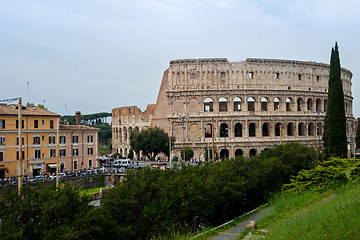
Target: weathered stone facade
(255,103)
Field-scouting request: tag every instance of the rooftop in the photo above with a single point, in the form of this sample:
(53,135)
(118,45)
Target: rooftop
(12,109)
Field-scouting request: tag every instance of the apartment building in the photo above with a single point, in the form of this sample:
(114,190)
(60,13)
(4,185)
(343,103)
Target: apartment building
(38,138)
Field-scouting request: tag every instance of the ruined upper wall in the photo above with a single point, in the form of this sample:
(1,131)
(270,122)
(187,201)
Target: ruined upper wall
(252,73)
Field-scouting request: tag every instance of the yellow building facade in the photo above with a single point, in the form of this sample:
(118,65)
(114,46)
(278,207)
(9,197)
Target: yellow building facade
(39,136)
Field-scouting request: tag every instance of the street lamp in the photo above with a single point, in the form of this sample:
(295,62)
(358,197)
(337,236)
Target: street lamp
(183,130)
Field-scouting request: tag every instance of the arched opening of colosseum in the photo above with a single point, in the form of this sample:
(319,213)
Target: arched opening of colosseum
(252,130)
(224,154)
(239,153)
(121,151)
(288,104)
(319,129)
(208,130)
(301,129)
(136,129)
(264,104)
(238,130)
(178,106)
(130,131)
(125,152)
(223,102)
(224,130)
(290,129)
(309,104)
(208,105)
(265,130)
(252,152)
(276,104)
(299,104)
(120,135)
(251,104)
(311,129)
(277,129)
(237,104)
(318,105)
(125,134)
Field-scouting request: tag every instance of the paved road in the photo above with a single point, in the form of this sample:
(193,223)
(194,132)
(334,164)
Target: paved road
(235,231)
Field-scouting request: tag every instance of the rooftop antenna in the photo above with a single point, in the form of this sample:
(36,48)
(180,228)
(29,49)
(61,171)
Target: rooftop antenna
(28,95)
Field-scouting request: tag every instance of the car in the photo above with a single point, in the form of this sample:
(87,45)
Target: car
(127,163)
(37,178)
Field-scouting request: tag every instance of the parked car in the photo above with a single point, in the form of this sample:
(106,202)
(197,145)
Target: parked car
(37,178)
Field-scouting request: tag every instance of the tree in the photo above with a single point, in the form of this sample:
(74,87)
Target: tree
(151,141)
(189,153)
(335,141)
(357,138)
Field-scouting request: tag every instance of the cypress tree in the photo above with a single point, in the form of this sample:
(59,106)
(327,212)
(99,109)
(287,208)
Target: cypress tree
(335,141)
(357,138)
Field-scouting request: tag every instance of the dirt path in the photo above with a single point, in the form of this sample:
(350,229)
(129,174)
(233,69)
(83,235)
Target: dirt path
(235,231)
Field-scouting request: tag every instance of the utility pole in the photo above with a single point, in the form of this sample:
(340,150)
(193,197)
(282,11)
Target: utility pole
(20,168)
(212,136)
(57,154)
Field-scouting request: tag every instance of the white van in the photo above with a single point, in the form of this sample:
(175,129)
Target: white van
(127,163)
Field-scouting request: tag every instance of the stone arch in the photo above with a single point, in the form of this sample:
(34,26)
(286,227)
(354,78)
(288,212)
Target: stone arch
(237,104)
(238,130)
(252,130)
(224,130)
(194,105)
(288,102)
(125,133)
(309,104)
(290,129)
(276,104)
(194,131)
(136,129)
(311,129)
(278,129)
(224,154)
(208,130)
(264,104)
(301,129)
(208,105)
(265,130)
(223,104)
(251,104)
(325,105)
(299,104)
(120,135)
(239,153)
(318,105)
(178,106)
(252,152)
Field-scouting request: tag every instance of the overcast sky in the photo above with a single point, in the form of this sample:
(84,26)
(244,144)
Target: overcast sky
(95,55)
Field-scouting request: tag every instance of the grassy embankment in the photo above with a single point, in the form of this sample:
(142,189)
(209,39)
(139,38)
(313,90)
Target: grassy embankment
(90,191)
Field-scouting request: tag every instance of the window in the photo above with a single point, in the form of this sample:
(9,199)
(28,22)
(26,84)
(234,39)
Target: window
(52,153)
(75,164)
(51,124)
(90,138)
(277,75)
(43,138)
(37,153)
(2,123)
(223,105)
(1,156)
(62,152)
(90,151)
(17,155)
(251,104)
(237,104)
(17,124)
(265,130)
(36,140)
(17,141)
(43,122)
(75,152)
(208,105)
(317,78)
(36,124)
(62,139)
(299,77)
(224,130)
(264,104)
(251,74)
(238,130)
(75,139)
(90,163)
(252,130)
(51,139)
(2,141)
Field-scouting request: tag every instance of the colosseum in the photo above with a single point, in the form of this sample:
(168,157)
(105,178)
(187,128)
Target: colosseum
(253,104)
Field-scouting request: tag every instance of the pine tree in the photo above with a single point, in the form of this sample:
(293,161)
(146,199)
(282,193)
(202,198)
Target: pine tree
(335,141)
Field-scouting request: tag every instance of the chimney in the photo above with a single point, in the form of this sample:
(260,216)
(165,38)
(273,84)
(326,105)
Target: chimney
(77,118)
